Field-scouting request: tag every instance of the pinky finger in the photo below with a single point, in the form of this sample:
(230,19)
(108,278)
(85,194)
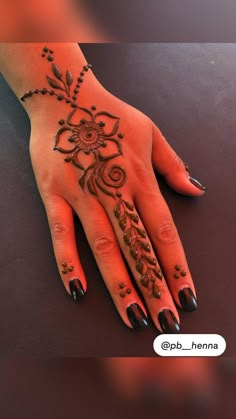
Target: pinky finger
(60,219)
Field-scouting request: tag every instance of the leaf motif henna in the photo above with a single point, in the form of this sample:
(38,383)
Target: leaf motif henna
(88,136)
(56,71)
(69,78)
(139,249)
(53,83)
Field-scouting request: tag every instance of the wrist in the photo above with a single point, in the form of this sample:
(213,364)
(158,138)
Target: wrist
(50,101)
(58,72)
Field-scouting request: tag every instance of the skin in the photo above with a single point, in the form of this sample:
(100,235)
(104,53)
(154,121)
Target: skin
(55,20)
(144,149)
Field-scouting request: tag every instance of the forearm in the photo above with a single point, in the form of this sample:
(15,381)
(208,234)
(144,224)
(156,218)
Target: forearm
(25,67)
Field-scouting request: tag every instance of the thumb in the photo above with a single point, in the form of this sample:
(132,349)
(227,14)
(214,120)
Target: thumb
(169,164)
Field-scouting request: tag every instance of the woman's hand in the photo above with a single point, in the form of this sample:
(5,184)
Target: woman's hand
(94,155)
(97,159)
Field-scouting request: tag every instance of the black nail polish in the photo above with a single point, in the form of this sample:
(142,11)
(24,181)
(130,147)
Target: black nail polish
(168,322)
(187,299)
(137,317)
(76,289)
(196,183)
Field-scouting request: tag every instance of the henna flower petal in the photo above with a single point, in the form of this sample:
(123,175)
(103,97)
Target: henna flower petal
(63,141)
(78,115)
(109,122)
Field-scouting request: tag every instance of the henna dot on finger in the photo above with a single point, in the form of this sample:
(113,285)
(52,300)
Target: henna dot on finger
(66,268)
(180,272)
(124,289)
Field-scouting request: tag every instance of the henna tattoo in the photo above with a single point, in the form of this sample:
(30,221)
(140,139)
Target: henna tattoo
(140,249)
(48,53)
(179,272)
(89,137)
(66,268)
(124,289)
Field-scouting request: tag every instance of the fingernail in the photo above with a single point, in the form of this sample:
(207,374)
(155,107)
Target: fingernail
(168,322)
(137,317)
(76,289)
(187,299)
(197,184)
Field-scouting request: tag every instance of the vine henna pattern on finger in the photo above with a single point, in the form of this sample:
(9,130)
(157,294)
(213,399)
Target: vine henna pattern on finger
(90,137)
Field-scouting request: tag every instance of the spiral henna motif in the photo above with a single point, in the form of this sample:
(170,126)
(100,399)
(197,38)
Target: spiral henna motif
(89,136)
(116,174)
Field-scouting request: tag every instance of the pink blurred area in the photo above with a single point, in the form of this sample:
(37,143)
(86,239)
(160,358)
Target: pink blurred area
(117,388)
(183,387)
(50,21)
(116,21)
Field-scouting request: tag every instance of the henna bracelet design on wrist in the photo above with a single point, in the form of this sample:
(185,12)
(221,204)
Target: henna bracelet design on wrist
(90,136)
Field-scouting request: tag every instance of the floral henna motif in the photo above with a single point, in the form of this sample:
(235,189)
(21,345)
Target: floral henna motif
(89,136)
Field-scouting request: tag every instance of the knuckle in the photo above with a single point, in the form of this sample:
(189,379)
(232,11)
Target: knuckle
(103,244)
(59,230)
(166,232)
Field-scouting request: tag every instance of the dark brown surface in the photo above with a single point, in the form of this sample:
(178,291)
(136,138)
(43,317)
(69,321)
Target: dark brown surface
(190,92)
